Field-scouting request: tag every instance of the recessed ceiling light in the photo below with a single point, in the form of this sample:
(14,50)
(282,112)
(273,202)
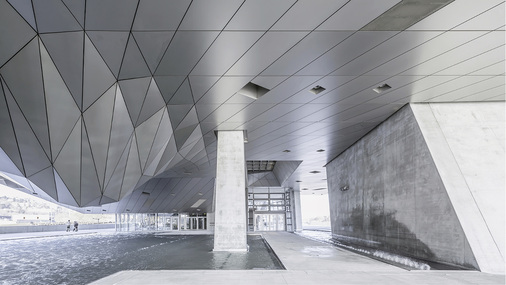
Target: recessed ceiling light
(320,150)
(200,193)
(174,210)
(298,181)
(88,210)
(253,91)
(317,89)
(104,210)
(187,173)
(198,210)
(382,88)
(314,171)
(305,189)
(145,193)
(286,150)
(172,194)
(317,189)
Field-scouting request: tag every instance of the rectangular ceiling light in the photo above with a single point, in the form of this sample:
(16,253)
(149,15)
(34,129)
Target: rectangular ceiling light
(198,203)
(253,91)
(405,14)
(317,89)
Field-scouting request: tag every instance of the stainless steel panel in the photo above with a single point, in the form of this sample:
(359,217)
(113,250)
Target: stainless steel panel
(133,64)
(258,14)
(15,32)
(356,14)
(314,12)
(153,46)
(209,15)
(308,49)
(48,23)
(185,50)
(134,91)
(155,15)
(110,45)
(270,47)
(97,76)
(105,15)
(225,51)
(152,103)
(66,50)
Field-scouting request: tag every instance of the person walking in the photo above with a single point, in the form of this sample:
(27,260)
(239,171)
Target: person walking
(75,226)
(68,226)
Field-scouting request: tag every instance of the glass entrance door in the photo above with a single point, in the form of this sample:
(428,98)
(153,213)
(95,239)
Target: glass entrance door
(270,222)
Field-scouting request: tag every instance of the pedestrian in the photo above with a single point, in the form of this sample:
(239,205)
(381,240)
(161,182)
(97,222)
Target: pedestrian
(75,226)
(68,226)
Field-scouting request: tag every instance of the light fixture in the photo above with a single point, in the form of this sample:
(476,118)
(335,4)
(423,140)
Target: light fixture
(317,89)
(314,172)
(320,150)
(381,88)
(253,91)
(345,188)
(172,194)
(200,194)
(298,181)
(145,193)
(286,150)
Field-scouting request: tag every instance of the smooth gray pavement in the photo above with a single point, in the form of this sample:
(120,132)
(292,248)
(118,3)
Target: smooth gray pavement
(307,262)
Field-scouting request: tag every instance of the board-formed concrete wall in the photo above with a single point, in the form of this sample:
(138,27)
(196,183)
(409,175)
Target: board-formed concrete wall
(467,143)
(396,200)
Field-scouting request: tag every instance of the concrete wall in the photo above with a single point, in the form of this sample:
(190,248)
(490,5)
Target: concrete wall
(396,200)
(467,142)
(50,228)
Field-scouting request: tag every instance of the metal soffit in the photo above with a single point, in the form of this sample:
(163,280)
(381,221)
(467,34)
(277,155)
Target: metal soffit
(101,101)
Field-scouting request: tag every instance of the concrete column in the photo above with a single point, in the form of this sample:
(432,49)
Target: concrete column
(230,193)
(296,211)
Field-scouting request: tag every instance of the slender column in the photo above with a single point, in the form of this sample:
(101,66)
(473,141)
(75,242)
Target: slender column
(296,211)
(230,193)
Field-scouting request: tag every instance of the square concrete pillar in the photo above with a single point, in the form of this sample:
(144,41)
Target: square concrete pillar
(230,193)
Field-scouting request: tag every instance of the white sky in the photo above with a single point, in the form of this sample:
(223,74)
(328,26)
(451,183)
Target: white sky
(316,205)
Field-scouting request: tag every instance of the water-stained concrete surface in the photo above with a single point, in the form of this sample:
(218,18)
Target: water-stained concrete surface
(80,259)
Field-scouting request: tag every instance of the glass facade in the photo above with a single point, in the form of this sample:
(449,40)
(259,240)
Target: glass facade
(126,222)
(269,209)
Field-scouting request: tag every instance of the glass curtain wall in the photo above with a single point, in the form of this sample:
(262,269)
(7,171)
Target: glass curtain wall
(126,222)
(269,209)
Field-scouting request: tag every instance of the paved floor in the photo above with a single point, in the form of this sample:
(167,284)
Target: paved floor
(307,262)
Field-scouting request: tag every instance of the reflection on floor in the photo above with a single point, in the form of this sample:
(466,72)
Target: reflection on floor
(83,258)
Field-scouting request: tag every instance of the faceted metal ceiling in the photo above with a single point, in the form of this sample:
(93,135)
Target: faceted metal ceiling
(102,100)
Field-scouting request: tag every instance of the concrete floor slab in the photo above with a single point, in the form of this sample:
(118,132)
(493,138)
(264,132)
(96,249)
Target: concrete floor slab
(307,262)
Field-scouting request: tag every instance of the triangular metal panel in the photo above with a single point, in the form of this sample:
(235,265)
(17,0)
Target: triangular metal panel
(64,195)
(201,84)
(14,32)
(132,172)
(183,134)
(25,9)
(142,180)
(77,9)
(93,203)
(162,137)
(185,151)
(199,156)
(106,200)
(111,15)
(8,142)
(168,85)
(66,50)
(152,46)
(183,95)
(177,113)
(134,92)
(113,186)
(111,45)
(98,122)
(62,111)
(121,132)
(30,97)
(134,65)
(145,134)
(47,22)
(195,136)
(44,179)
(97,76)
(152,103)
(190,119)
(6,164)
(198,146)
(168,154)
(33,156)
(90,187)
(68,163)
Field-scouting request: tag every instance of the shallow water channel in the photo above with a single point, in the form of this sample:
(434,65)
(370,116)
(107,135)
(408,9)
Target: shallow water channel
(81,259)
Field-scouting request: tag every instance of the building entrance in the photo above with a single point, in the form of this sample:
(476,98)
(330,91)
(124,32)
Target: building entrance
(270,222)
